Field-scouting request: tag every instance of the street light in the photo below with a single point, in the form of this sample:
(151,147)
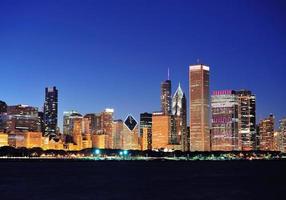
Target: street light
(97,152)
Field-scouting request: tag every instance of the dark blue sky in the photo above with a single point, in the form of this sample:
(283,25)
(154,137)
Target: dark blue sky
(115,53)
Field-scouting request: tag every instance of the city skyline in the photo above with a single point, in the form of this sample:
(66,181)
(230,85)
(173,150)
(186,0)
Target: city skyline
(60,116)
(142,99)
(110,55)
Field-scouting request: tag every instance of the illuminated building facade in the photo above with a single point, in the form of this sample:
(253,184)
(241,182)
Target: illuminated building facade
(101,124)
(76,129)
(21,118)
(51,112)
(277,141)
(86,135)
(146,130)
(16,140)
(67,120)
(161,130)
(145,145)
(107,119)
(32,139)
(224,134)
(3,139)
(199,107)
(98,141)
(95,122)
(117,128)
(266,133)
(166,97)
(247,120)
(130,139)
(282,130)
(179,112)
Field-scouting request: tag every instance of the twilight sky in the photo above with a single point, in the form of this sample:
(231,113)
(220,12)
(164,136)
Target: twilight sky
(116,53)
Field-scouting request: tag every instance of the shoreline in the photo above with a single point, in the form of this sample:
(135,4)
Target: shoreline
(133,159)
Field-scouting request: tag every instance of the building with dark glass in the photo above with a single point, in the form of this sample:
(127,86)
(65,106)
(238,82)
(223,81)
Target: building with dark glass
(41,121)
(179,112)
(146,130)
(3,110)
(3,107)
(247,120)
(21,118)
(51,112)
(166,97)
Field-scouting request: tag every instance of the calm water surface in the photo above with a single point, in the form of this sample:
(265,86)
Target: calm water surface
(61,179)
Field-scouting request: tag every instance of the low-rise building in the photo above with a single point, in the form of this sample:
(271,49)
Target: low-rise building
(3,139)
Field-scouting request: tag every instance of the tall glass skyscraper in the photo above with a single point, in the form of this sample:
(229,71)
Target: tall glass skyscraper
(224,135)
(146,130)
(247,120)
(179,111)
(282,129)
(199,107)
(51,112)
(3,107)
(166,97)
(266,133)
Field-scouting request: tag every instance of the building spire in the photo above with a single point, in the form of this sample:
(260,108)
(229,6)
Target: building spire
(168,73)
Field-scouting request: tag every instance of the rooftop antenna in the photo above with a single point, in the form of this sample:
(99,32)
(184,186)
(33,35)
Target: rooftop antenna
(198,61)
(168,73)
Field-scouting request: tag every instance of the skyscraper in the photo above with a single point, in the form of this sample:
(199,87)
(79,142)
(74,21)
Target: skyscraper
(67,120)
(3,107)
(166,97)
(179,111)
(247,120)
(117,128)
(95,122)
(146,130)
(3,110)
(282,129)
(161,130)
(130,138)
(224,135)
(51,112)
(41,121)
(107,119)
(199,107)
(76,128)
(100,125)
(86,134)
(266,132)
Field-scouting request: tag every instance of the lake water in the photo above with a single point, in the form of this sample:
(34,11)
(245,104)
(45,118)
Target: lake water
(69,179)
